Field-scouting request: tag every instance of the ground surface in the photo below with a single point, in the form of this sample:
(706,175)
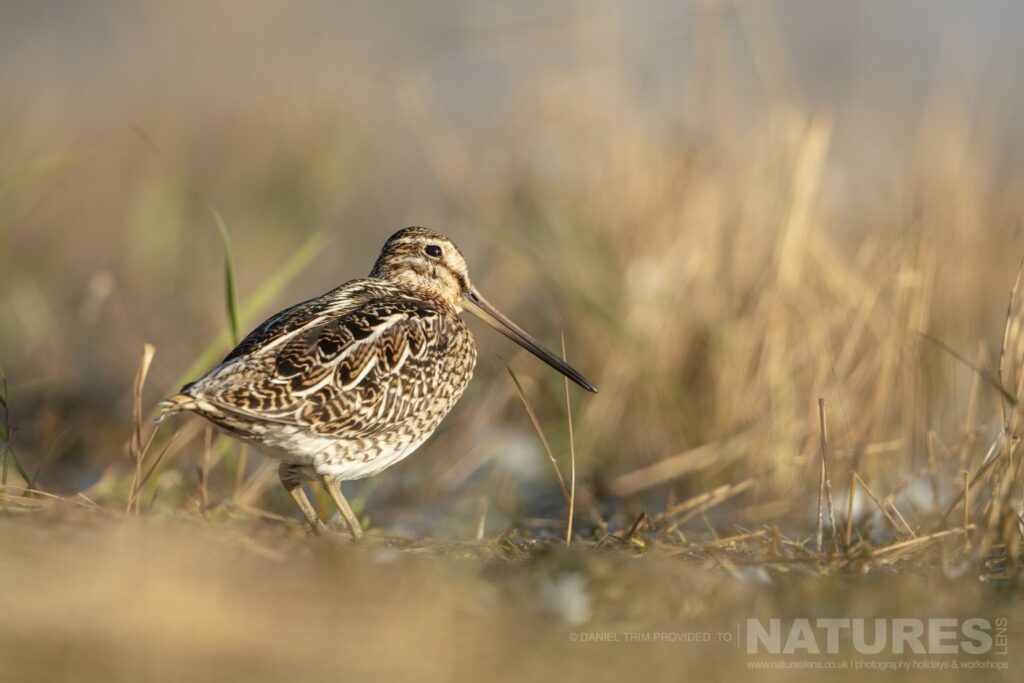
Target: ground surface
(93,595)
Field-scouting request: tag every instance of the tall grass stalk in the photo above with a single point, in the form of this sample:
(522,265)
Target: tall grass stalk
(230,291)
(572,452)
(540,433)
(137,449)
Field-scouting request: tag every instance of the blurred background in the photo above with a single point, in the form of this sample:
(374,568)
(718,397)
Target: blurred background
(732,208)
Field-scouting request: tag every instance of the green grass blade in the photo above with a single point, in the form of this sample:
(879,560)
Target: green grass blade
(270,289)
(230,292)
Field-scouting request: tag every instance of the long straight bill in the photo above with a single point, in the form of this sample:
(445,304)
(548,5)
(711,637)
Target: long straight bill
(481,308)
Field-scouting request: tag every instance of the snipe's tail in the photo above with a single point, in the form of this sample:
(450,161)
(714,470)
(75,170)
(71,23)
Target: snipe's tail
(175,404)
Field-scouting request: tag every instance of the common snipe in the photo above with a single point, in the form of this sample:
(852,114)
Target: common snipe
(344,385)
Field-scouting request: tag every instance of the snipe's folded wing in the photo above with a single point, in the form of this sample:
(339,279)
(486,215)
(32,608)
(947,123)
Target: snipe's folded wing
(312,312)
(349,375)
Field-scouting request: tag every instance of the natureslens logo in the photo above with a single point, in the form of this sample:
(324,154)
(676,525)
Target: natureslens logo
(941,636)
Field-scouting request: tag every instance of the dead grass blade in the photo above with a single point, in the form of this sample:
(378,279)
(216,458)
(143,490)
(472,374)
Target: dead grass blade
(900,517)
(806,178)
(156,462)
(702,503)
(849,509)
(1013,336)
(877,502)
(241,462)
(903,546)
(137,449)
(988,463)
(572,453)
(989,379)
(825,484)
(967,508)
(258,483)
(723,542)
(712,453)
(204,471)
(540,432)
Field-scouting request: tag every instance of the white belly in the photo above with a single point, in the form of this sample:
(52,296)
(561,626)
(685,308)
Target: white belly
(359,468)
(344,459)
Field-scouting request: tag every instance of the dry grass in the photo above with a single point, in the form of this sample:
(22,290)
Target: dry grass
(727,257)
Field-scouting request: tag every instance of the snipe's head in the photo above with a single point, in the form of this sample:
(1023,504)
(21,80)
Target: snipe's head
(430,262)
(426,260)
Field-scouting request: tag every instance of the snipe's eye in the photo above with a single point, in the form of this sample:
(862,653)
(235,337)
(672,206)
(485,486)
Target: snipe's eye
(433,251)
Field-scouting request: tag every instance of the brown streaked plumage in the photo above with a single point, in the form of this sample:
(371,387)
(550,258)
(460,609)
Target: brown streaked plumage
(345,385)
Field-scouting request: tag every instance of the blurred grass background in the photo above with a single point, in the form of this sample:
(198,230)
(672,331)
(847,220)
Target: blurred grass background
(732,208)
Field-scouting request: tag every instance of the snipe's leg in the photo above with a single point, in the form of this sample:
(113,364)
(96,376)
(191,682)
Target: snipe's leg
(292,481)
(333,487)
